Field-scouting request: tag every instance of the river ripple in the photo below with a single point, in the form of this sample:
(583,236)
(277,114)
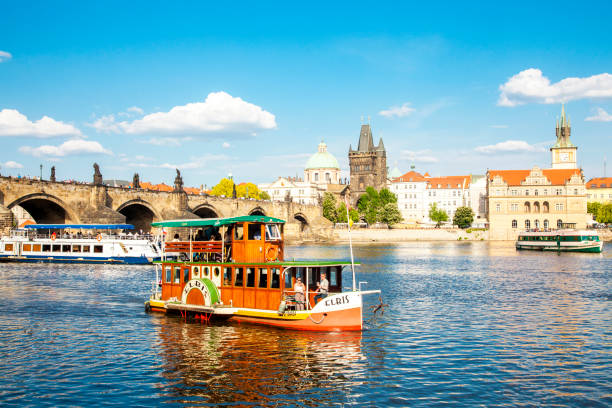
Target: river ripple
(466,324)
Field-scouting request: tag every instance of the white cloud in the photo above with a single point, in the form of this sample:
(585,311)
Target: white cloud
(5,56)
(602,116)
(509,146)
(531,86)
(226,145)
(167,141)
(13,165)
(419,156)
(135,109)
(68,148)
(397,111)
(192,164)
(499,126)
(220,112)
(13,123)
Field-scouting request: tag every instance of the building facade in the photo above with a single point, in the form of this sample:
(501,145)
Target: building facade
(564,152)
(368,164)
(286,188)
(478,200)
(410,190)
(599,190)
(322,168)
(448,193)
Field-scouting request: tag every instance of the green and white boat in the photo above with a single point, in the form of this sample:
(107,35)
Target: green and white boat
(565,240)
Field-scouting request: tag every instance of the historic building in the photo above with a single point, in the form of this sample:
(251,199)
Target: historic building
(599,190)
(538,198)
(368,164)
(448,193)
(322,168)
(410,190)
(293,189)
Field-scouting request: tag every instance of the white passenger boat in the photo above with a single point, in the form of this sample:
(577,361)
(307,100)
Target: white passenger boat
(79,243)
(563,240)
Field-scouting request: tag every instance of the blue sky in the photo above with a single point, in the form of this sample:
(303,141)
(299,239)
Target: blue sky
(145,87)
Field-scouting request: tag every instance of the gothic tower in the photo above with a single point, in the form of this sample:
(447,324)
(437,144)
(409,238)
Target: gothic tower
(368,164)
(563,152)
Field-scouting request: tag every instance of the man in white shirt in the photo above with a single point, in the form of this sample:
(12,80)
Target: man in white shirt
(322,289)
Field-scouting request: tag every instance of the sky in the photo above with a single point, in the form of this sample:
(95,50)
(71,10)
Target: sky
(251,89)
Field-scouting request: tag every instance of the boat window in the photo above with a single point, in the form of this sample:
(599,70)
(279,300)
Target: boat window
(186,275)
(288,282)
(238,233)
(27,247)
(177,274)
(57,248)
(263,278)
(46,248)
(65,248)
(86,248)
(239,278)
(76,248)
(36,247)
(217,271)
(8,247)
(97,249)
(272,232)
(168,274)
(206,271)
(333,276)
(300,273)
(314,277)
(196,271)
(227,276)
(254,232)
(275,284)
(250,278)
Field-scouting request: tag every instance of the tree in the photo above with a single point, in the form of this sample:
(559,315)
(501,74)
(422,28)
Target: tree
(224,188)
(329,207)
(604,214)
(264,196)
(593,208)
(353,215)
(341,213)
(250,188)
(390,214)
(437,215)
(464,216)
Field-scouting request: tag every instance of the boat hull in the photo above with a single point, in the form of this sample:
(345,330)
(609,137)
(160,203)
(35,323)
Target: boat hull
(90,260)
(593,248)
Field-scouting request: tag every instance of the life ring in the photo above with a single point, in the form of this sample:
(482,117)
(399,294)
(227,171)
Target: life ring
(271,253)
(53,236)
(99,237)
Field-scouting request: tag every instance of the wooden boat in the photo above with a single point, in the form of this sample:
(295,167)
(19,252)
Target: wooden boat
(563,240)
(79,243)
(241,274)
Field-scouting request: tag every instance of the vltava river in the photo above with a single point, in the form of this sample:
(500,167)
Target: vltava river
(466,324)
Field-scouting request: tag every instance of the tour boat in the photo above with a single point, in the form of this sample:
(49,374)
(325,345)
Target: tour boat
(240,273)
(79,243)
(566,240)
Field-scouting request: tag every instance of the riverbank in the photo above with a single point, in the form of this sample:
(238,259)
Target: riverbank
(405,235)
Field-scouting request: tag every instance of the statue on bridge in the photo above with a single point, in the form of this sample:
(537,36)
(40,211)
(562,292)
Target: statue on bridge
(136,181)
(97,178)
(178,182)
(52,177)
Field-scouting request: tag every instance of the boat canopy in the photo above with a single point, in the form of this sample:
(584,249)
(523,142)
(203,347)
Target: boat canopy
(80,226)
(216,222)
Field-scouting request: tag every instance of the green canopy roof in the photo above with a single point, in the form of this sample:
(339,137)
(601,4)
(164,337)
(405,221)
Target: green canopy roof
(215,222)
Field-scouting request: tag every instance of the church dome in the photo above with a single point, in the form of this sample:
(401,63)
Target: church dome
(322,159)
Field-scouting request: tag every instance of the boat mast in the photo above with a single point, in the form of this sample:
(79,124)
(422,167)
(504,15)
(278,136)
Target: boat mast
(348,223)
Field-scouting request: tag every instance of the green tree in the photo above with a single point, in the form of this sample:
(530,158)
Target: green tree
(354,214)
(437,215)
(593,208)
(264,196)
(329,207)
(604,214)
(464,216)
(250,188)
(225,188)
(341,213)
(390,214)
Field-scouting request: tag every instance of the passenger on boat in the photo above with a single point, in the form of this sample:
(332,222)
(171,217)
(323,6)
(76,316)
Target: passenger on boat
(300,299)
(322,289)
(176,238)
(199,236)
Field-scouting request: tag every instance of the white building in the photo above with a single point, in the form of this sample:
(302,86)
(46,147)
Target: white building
(299,191)
(410,190)
(448,193)
(322,168)
(478,200)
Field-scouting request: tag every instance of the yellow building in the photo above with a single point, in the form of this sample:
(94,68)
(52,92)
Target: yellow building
(538,198)
(599,190)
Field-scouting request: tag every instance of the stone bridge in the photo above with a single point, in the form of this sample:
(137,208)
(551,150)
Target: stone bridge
(61,202)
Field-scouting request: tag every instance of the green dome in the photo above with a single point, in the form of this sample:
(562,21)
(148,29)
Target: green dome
(322,159)
(395,173)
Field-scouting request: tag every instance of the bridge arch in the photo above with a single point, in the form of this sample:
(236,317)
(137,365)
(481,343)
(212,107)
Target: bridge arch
(301,218)
(139,213)
(46,209)
(257,211)
(207,211)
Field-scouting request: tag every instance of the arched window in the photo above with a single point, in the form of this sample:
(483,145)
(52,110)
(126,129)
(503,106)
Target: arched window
(545,207)
(536,207)
(559,223)
(527,224)
(536,223)
(545,224)
(527,207)
(514,224)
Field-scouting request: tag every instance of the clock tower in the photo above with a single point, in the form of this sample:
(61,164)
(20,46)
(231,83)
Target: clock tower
(563,152)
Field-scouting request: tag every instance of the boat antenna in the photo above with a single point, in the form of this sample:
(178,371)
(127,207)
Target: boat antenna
(348,223)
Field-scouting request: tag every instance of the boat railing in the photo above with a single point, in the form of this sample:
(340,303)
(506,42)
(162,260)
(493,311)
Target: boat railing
(194,246)
(148,237)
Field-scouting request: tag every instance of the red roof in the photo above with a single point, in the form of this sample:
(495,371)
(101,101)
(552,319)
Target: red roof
(410,176)
(557,177)
(600,182)
(449,182)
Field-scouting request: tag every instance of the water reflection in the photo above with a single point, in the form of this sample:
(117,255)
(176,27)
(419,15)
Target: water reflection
(251,364)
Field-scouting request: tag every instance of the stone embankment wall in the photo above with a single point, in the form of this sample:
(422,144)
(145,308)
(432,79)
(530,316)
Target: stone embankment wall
(402,235)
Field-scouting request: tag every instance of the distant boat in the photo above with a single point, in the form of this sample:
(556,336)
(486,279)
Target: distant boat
(79,243)
(563,240)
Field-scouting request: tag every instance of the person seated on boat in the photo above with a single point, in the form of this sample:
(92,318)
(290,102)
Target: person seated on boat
(176,238)
(199,236)
(299,289)
(217,234)
(322,289)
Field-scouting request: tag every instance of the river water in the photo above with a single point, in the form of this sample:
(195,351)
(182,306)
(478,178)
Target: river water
(466,324)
